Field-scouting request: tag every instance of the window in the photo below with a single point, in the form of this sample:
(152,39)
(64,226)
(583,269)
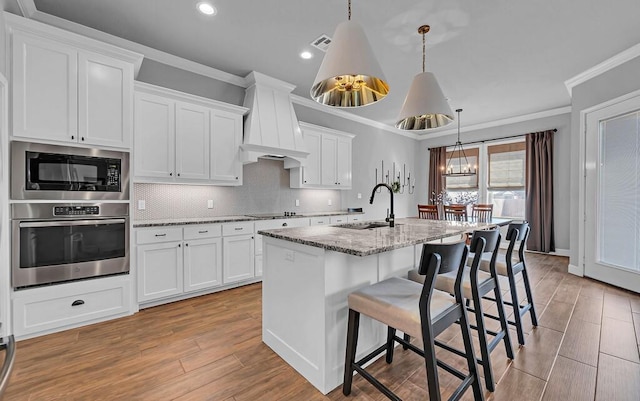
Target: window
(506,175)
(499,180)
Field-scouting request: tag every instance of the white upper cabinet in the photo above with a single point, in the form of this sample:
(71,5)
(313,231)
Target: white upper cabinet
(192,144)
(154,136)
(105,93)
(226,138)
(180,138)
(329,162)
(45,89)
(65,89)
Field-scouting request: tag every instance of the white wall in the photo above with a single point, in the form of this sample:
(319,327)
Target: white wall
(609,85)
(561,163)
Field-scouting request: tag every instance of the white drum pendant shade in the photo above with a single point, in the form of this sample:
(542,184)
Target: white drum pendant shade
(425,106)
(349,75)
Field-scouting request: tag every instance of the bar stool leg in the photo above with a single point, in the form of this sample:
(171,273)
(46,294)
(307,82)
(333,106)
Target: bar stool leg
(431,363)
(471,357)
(516,307)
(391,332)
(482,339)
(503,322)
(527,288)
(350,357)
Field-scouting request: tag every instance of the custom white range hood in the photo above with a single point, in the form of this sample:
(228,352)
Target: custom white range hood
(271,129)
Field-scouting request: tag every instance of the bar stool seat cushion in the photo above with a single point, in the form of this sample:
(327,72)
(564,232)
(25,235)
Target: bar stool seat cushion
(446,282)
(395,301)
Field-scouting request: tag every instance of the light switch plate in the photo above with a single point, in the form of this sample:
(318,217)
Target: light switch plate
(142,204)
(210,204)
(297,202)
(359,195)
(329,202)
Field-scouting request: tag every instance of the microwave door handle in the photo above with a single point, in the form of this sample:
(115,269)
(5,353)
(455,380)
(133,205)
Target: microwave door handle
(59,223)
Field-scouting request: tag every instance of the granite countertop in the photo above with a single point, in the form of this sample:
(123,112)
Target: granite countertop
(230,219)
(407,232)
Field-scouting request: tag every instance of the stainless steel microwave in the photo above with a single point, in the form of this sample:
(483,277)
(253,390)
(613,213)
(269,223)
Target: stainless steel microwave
(52,172)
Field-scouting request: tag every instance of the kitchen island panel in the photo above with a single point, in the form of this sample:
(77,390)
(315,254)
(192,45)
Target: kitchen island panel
(305,305)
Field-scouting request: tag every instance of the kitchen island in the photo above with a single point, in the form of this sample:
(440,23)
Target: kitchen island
(310,271)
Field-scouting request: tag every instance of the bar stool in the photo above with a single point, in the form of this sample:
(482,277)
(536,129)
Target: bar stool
(475,285)
(508,267)
(420,311)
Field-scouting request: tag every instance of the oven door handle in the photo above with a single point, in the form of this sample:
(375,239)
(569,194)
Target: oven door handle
(59,223)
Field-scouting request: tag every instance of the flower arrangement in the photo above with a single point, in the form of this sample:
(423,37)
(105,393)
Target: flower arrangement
(459,198)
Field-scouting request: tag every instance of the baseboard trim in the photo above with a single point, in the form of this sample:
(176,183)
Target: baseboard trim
(576,270)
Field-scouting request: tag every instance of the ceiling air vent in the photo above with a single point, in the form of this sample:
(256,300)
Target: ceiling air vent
(322,42)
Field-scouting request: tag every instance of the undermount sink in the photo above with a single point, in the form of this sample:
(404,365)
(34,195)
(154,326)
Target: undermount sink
(364,226)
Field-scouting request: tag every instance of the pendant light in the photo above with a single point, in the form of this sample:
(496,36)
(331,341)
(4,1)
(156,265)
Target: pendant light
(349,75)
(425,106)
(463,170)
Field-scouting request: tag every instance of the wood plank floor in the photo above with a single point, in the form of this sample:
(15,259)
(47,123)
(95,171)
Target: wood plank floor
(209,348)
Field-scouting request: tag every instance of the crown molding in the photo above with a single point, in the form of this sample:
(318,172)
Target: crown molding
(505,121)
(609,64)
(147,52)
(306,102)
(27,8)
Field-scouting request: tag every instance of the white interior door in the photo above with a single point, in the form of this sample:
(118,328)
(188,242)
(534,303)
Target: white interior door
(612,195)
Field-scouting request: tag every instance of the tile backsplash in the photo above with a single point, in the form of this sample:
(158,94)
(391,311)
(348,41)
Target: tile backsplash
(265,189)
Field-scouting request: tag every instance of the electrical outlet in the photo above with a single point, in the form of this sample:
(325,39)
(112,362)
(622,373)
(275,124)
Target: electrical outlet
(210,204)
(142,204)
(297,202)
(359,195)
(329,202)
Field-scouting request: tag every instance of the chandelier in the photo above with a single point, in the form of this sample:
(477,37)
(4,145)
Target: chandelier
(458,169)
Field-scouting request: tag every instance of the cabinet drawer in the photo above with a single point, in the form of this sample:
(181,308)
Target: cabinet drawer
(202,231)
(237,228)
(36,310)
(320,221)
(156,235)
(338,219)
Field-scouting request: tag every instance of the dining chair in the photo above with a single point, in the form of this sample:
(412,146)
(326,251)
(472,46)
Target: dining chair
(482,211)
(428,212)
(418,310)
(455,212)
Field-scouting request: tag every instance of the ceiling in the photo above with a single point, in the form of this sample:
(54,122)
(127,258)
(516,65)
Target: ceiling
(495,59)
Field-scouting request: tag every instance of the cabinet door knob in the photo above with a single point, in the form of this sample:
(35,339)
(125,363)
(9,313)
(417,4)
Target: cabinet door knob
(236,178)
(305,181)
(284,224)
(73,137)
(179,245)
(187,244)
(82,138)
(171,174)
(77,302)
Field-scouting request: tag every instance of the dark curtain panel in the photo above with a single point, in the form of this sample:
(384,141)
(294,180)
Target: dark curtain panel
(539,190)
(437,159)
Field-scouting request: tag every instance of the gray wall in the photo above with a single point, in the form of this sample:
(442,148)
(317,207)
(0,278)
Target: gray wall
(561,163)
(3,41)
(610,85)
(153,72)
(371,146)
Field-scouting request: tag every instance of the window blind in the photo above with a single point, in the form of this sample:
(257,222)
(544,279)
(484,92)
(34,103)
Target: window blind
(506,166)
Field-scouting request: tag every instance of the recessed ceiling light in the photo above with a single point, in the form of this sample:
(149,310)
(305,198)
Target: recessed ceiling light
(306,55)
(206,8)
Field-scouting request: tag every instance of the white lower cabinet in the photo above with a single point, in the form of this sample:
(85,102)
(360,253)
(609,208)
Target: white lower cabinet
(172,261)
(54,308)
(202,264)
(237,251)
(159,270)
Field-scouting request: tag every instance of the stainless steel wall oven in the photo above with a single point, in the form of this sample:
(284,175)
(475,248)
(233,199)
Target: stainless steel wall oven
(51,172)
(54,242)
